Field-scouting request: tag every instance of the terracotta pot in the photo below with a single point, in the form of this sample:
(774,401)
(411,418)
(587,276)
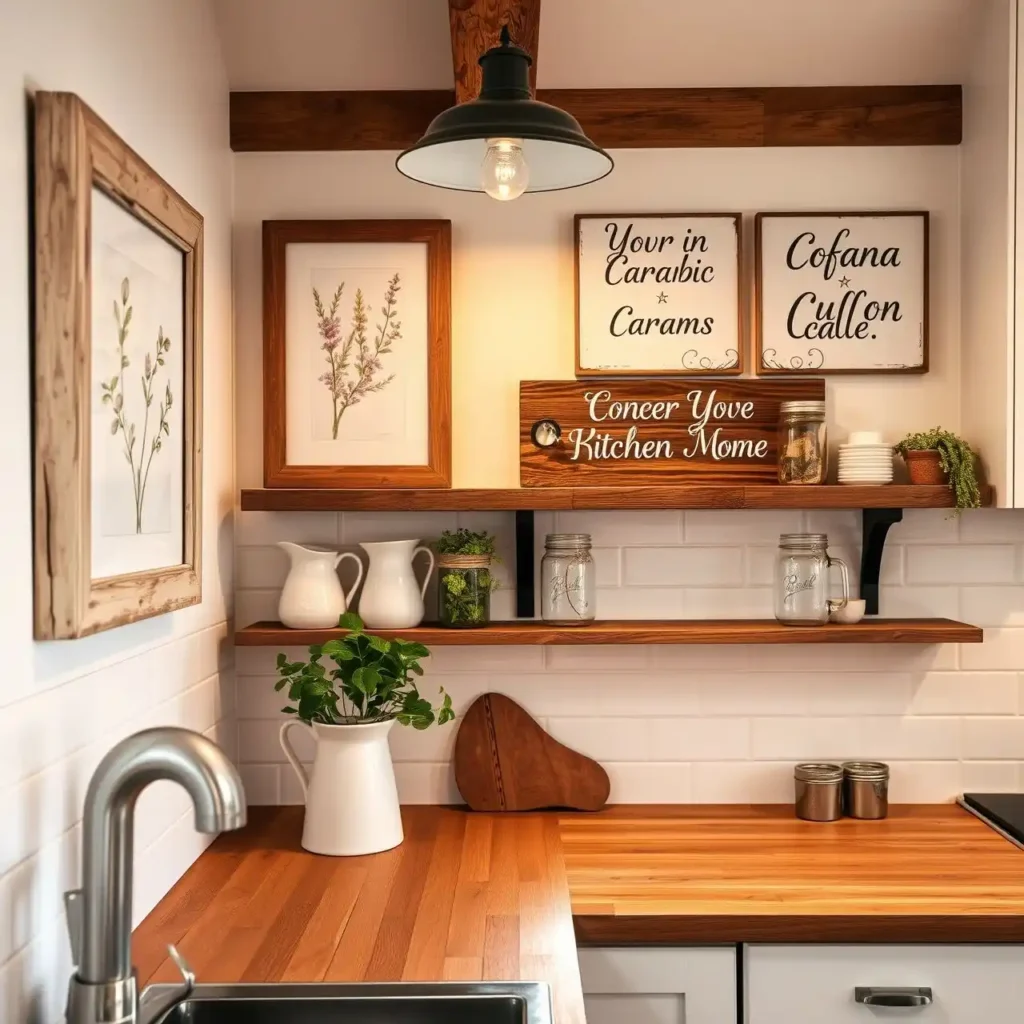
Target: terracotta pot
(924,467)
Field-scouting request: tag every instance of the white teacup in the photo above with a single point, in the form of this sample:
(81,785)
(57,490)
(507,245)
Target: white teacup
(852,613)
(865,437)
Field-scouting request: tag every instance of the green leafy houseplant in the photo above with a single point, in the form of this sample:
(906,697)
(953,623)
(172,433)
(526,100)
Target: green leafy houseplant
(956,459)
(465,580)
(371,681)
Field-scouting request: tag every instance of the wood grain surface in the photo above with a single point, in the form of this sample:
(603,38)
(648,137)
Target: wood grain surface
(466,897)
(480,896)
(504,761)
(673,408)
(681,496)
(899,115)
(642,631)
(75,154)
(758,874)
(475,28)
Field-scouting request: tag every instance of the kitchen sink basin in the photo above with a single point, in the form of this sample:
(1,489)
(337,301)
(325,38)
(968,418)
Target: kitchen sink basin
(405,1003)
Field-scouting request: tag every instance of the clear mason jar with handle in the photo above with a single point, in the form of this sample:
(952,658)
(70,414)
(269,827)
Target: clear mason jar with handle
(802,580)
(567,580)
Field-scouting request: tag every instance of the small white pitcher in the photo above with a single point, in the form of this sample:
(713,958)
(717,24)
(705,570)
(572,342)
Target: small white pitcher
(351,796)
(312,597)
(392,599)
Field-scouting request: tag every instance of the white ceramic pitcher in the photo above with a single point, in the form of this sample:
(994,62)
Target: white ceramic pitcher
(392,599)
(312,597)
(351,796)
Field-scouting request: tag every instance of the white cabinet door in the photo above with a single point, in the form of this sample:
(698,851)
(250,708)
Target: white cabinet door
(816,984)
(646,985)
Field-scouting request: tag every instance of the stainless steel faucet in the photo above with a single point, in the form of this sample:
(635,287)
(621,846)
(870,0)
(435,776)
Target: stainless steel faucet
(103,988)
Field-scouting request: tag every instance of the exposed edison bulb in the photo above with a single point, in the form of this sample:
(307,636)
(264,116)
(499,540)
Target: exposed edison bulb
(504,173)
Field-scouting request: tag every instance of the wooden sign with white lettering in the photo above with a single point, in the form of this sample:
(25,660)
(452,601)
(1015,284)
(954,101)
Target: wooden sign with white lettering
(623,433)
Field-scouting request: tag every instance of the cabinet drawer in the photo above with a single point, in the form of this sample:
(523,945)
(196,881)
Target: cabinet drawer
(647,985)
(816,984)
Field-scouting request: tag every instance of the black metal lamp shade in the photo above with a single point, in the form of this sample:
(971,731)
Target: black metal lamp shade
(452,150)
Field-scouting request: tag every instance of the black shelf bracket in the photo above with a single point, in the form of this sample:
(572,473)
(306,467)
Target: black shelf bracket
(524,566)
(875,523)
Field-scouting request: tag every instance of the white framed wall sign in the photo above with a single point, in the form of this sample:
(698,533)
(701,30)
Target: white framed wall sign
(841,292)
(658,294)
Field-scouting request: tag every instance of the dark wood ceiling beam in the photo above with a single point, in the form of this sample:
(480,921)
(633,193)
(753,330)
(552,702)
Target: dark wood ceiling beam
(475,27)
(912,115)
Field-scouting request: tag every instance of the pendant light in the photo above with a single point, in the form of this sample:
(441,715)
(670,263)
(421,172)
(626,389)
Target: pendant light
(504,142)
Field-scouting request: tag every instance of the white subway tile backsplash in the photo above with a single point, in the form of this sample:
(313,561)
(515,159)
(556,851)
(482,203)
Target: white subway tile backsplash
(623,529)
(649,783)
(993,606)
(641,603)
(965,564)
(1002,649)
(672,723)
(965,693)
(425,527)
(654,739)
(263,528)
(262,783)
(993,739)
(682,567)
(738,526)
(742,782)
(991,776)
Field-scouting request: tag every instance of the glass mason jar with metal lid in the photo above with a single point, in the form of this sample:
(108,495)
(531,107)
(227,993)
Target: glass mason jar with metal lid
(819,791)
(803,443)
(567,580)
(866,789)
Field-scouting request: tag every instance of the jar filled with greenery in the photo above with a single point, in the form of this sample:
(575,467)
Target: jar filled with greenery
(937,456)
(464,580)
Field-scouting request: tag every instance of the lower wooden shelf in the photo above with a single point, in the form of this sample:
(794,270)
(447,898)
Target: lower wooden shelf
(639,631)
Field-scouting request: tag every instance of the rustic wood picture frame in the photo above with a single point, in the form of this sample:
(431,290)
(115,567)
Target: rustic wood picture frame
(758,319)
(742,303)
(436,235)
(76,151)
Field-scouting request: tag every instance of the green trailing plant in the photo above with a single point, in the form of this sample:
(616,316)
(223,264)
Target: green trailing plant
(366,679)
(957,459)
(464,592)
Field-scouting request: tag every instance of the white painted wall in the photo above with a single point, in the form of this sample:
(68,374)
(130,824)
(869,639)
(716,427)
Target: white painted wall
(987,253)
(670,723)
(512,270)
(702,724)
(153,70)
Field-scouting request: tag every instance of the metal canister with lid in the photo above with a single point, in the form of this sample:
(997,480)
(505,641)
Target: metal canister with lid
(866,789)
(819,791)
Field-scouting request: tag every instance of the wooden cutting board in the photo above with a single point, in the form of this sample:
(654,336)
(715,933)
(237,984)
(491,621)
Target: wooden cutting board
(504,761)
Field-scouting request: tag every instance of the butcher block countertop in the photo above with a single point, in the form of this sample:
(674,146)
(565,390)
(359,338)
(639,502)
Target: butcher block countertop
(496,897)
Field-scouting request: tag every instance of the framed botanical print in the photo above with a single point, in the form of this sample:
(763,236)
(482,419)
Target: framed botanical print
(658,295)
(357,353)
(842,292)
(118,380)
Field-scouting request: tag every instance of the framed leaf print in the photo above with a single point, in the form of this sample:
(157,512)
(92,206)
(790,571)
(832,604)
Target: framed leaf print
(658,295)
(118,380)
(356,353)
(842,292)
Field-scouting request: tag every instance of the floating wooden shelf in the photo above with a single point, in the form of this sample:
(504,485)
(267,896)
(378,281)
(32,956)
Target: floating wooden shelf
(639,631)
(761,496)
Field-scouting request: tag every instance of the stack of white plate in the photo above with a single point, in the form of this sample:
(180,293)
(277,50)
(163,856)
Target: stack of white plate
(865,459)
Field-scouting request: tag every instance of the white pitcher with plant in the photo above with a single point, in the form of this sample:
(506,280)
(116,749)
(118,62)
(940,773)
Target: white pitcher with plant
(347,696)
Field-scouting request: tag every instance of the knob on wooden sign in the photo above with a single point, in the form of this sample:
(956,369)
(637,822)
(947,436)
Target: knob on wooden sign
(504,761)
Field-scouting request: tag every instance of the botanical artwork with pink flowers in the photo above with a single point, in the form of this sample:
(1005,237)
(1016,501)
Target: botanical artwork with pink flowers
(356,354)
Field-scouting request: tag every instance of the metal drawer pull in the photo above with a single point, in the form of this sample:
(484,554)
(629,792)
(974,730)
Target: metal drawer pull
(893,996)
